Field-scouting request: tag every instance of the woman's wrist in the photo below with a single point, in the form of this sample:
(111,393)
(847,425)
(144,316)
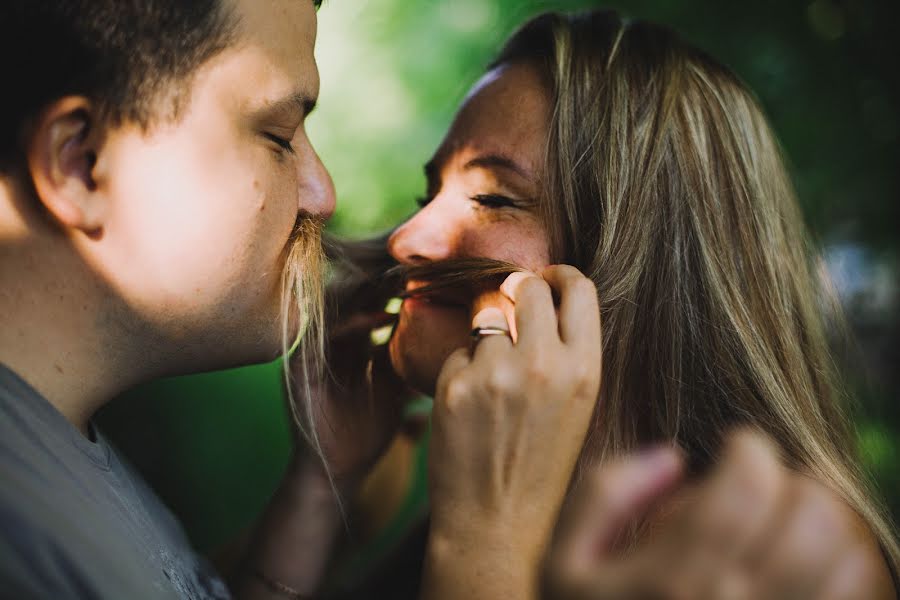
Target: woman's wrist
(307,472)
(479,562)
(304,514)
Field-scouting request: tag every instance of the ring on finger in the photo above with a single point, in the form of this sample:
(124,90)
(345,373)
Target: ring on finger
(479,333)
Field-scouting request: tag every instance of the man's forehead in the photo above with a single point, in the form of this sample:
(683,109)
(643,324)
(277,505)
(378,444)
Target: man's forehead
(286,27)
(284,32)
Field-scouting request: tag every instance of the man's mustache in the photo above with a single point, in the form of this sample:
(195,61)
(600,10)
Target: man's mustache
(304,272)
(307,230)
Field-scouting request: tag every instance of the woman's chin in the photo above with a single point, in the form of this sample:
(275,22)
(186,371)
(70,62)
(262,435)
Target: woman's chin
(418,363)
(412,369)
(425,335)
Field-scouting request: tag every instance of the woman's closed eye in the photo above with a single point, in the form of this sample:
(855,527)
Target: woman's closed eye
(495,201)
(483,200)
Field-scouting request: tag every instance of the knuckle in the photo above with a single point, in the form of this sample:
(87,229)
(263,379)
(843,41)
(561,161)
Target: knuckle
(444,403)
(456,389)
(583,387)
(582,376)
(537,374)
(582,286)
(502,381)
(533,285)
(562,270)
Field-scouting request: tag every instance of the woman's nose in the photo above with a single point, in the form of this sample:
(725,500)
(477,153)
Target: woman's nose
(427,236)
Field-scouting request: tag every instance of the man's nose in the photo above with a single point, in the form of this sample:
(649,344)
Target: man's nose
(427,236)
(317,195)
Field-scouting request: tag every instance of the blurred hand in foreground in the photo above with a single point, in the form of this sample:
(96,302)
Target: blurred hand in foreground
(753,529)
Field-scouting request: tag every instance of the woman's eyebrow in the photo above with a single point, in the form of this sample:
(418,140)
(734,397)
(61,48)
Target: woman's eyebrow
(483,161)
(498,161)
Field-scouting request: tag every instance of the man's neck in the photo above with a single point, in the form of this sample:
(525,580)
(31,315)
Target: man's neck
(59,333)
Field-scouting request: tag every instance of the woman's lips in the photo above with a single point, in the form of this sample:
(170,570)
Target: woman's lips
(443,299)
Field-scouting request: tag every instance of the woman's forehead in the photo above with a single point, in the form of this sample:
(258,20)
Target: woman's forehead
(506,115)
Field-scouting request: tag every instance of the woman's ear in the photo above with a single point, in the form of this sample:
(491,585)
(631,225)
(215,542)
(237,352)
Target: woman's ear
(61,153)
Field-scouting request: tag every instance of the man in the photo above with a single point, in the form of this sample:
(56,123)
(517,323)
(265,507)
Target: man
(156,182)
(149,199)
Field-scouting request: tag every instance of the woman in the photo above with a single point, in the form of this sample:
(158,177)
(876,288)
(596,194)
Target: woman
(618,148)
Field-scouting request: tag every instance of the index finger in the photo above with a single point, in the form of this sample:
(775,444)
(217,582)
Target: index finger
(535,315)
(579,309)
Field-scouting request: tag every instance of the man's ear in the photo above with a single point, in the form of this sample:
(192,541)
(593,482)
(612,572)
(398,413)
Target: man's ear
(62,152)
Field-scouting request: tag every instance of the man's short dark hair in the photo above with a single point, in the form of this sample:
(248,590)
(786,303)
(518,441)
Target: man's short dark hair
(126,56)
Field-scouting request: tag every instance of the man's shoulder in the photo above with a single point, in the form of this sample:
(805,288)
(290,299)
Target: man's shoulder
(65,533)
(77,521)
(29,567)
(42,557)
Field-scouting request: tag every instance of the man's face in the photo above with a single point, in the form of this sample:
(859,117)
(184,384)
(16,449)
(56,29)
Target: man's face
(202,209)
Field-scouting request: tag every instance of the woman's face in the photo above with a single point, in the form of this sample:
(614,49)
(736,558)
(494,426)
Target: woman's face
(481,202)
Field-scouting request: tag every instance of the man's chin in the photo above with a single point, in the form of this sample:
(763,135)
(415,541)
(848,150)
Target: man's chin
(268,344)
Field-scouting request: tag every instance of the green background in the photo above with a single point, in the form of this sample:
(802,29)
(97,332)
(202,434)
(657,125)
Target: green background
(392,74)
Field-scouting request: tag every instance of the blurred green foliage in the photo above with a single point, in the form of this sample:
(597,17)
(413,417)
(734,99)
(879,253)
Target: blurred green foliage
(392,74)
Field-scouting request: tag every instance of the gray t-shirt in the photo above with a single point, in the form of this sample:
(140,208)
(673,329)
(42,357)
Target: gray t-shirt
(76,521)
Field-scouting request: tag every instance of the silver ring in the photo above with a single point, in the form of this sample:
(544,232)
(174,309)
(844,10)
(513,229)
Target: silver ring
(482,332)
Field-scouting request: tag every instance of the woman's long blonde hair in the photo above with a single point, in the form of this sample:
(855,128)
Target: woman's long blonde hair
(665,185)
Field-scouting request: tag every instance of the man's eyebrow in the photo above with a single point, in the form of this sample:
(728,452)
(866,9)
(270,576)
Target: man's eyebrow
(290,105)
(498,161)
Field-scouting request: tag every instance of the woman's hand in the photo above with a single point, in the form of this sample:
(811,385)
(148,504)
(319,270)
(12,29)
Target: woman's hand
(508,425)
(357,407)
(356,410)
(752,529)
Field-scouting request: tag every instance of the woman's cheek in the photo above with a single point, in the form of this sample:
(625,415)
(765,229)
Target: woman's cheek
(422,342)
(521,241)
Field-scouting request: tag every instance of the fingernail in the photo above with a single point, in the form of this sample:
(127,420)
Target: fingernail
(509,286)
(490,316)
